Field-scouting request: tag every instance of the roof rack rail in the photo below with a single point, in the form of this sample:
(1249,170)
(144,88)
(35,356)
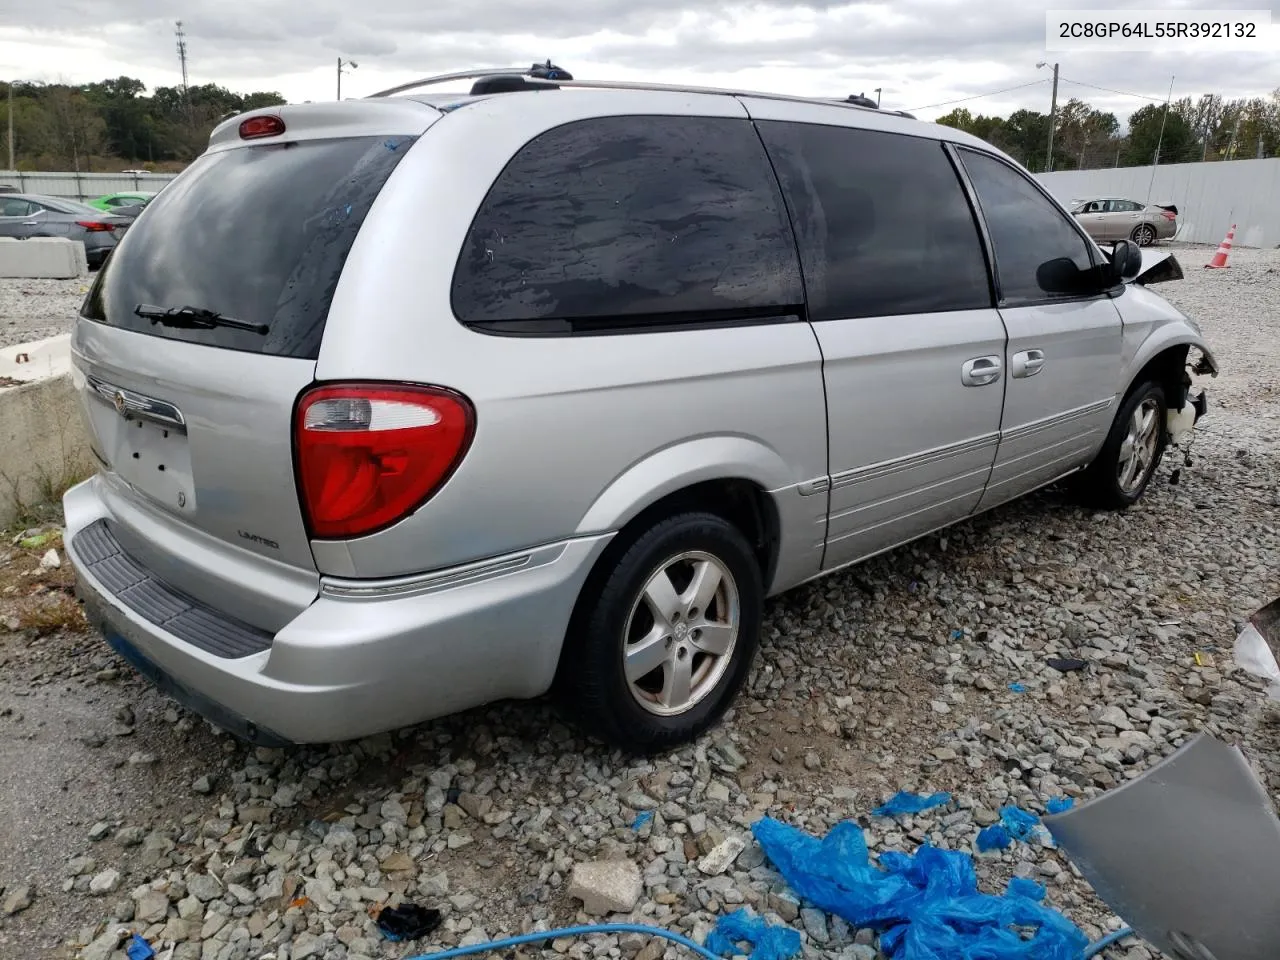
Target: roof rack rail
(448,77)
(531,80)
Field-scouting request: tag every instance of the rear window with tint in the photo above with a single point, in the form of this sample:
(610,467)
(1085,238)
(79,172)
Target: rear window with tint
(257,234)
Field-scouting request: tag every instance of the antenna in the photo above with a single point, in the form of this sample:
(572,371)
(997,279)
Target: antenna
(182,59)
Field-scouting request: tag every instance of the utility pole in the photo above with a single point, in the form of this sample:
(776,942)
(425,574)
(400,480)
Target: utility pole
(182,59)
(12,164)
(1053,115)
(344,63)
(1155,161)
(1231,144)
(877,98)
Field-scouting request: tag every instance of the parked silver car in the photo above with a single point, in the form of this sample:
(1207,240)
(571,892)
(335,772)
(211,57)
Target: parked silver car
(662,353)
(25,215)
(1108,219)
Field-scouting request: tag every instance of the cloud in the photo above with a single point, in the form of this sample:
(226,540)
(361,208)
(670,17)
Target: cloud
(919,52)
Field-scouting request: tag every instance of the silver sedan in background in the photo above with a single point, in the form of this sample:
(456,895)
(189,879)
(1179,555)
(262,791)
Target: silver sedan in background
(24,215)
(1108,219)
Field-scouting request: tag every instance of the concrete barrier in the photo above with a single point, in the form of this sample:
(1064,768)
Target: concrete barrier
(43,445)
(42,258)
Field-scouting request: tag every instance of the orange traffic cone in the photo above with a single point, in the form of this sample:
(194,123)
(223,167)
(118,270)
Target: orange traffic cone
(1219,261)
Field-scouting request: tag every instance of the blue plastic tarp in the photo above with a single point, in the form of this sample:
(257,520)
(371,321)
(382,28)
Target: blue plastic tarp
(1014,825)
(904,802)
(767,942)
(926,905)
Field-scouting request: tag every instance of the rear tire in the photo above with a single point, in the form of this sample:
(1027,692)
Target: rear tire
(1122,471)
(1144,235)
(664,634)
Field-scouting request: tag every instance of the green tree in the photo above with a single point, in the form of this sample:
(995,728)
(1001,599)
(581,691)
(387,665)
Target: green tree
(123,110)
(1083,134)
(990,129)
(1027,135)
(1177,144)
(115,122)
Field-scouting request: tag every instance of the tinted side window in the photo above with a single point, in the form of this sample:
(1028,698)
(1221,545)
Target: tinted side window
(14,208)
(630,219)
(882,222)
(1033,240)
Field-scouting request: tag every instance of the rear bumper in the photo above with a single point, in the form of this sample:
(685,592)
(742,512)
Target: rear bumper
(365,657)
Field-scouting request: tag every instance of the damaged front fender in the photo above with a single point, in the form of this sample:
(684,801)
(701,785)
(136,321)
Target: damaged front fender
(1158,266)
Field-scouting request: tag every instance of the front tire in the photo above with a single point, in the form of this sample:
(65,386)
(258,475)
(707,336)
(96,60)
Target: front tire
(1123,469)
(664,634)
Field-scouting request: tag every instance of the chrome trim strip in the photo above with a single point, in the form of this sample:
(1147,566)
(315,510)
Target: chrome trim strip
(876,471)
(1048,423)
(133,405)
(347,589)
(811,487)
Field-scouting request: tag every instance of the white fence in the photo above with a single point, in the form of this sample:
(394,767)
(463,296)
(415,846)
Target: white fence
(1210,197)
(82,186)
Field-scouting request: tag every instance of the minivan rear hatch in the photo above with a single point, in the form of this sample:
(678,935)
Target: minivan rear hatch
(204,325)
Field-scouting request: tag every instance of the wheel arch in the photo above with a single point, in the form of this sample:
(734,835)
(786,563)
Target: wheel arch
(1163,358)
(730,476)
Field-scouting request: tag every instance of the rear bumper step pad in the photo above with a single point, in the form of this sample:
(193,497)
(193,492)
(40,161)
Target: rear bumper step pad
(135,587)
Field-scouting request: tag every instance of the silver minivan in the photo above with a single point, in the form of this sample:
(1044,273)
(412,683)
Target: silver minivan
(547,386)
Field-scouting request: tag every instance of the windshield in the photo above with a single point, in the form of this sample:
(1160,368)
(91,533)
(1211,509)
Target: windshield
(258,233)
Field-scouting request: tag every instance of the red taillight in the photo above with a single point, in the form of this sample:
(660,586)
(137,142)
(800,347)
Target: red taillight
(255,127)
(1169,216)
(368,455)
(96,226)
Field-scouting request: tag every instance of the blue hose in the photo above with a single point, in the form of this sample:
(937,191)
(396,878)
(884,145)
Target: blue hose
(570,932)
(1092,951)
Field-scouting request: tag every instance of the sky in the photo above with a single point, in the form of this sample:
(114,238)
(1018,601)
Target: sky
(922,54)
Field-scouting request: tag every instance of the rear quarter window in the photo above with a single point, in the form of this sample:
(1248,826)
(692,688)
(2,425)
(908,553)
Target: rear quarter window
(257,233)
(626,223)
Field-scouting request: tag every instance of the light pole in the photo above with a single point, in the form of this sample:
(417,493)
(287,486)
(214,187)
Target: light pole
(341,64)
(1053,114)
(877,98)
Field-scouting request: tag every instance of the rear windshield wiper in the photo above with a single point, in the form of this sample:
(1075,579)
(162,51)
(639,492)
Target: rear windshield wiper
(195,318)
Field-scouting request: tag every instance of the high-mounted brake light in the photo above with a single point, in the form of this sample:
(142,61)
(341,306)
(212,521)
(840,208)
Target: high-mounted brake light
(264,126)
(368,455)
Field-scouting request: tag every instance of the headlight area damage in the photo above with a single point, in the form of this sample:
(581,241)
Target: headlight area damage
(1158,266)
(1187,407)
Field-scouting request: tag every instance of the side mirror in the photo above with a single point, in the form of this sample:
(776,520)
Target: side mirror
(1126,260)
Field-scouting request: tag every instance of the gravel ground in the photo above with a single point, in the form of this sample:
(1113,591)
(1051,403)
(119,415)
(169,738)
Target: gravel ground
(35,309)
(130,814)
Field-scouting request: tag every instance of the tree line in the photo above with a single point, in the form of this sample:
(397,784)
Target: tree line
(1206,128)
(115,124)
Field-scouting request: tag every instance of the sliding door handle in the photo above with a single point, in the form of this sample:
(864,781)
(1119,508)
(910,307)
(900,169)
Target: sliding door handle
(1026,364)
(981,371)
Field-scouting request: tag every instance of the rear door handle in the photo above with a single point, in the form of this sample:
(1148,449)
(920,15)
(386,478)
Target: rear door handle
(1026,364)
(981,371)
(30,223)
